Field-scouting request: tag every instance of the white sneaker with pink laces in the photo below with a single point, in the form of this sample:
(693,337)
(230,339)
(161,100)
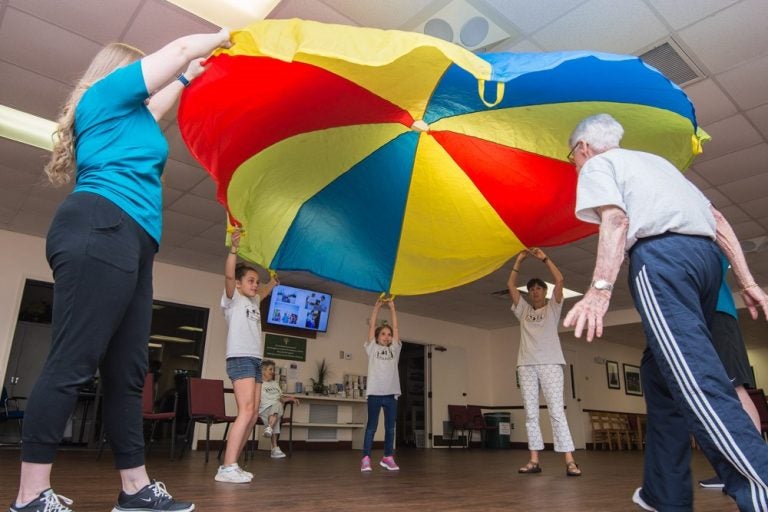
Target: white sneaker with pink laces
(389,463)
(365,464)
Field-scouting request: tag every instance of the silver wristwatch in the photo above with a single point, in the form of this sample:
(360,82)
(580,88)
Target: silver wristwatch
(602,284)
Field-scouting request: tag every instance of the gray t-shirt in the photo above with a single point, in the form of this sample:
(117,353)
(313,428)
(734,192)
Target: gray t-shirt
(244,319)
(383,378)
(539,341)
(656,197)
(270,395)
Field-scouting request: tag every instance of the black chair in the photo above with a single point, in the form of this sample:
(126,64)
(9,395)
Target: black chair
(459,422)
(10,410)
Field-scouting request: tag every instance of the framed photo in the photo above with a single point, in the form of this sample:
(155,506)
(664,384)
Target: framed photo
(612,374)
(632,385)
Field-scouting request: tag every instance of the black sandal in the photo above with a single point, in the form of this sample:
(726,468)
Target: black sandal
(572,469)
(530,467)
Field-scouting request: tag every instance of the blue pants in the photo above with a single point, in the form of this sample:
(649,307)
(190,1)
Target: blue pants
(389,404)
(674,281)
(102,313)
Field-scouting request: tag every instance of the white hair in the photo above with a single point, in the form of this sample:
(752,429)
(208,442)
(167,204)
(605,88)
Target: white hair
(600,131)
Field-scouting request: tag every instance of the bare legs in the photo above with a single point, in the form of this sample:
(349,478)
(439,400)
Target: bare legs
(247,396)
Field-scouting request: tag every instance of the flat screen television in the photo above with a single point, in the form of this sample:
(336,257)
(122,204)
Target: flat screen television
(299,308)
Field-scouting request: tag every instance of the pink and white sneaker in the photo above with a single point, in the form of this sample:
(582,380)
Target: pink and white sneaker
(365,464)
(389,463)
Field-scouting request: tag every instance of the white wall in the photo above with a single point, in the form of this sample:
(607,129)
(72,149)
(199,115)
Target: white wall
(491,355)
(23,258)
(590,377)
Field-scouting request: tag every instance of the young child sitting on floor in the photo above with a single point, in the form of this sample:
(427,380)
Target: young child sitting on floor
(271,406)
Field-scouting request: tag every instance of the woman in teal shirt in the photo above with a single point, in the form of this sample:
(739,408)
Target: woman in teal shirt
(101,247)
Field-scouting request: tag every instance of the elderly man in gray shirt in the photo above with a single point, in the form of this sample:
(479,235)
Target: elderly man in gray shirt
(671,232)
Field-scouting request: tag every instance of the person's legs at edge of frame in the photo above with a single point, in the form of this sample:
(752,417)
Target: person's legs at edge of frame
(375,403)
(552,383)
(94,282)
(730,347)
(674,281)
(389,404)
(529,387)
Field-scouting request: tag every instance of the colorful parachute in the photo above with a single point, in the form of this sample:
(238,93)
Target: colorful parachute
(392,161)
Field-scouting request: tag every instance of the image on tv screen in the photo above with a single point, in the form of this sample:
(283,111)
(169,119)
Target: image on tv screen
(296,307)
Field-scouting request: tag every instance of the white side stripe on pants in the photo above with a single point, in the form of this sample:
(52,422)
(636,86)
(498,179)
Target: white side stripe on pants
(695,396)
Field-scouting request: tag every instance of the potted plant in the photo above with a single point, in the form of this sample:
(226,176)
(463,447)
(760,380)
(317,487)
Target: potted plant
(318,384)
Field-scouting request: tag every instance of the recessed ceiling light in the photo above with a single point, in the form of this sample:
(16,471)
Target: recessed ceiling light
(228,13)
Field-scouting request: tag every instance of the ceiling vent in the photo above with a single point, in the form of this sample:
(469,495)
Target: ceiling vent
(672,61)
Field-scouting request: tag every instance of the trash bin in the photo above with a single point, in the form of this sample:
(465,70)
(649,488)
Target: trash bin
(497,437)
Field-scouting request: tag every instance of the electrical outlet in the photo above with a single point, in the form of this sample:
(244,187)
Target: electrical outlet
(341,354)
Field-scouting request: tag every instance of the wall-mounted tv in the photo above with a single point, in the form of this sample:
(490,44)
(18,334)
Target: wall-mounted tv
(299,308)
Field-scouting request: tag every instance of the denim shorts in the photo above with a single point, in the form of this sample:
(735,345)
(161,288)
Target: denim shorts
(244,368)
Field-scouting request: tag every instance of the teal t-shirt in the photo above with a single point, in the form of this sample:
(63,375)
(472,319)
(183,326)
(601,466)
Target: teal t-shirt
(725,303)
(119,147)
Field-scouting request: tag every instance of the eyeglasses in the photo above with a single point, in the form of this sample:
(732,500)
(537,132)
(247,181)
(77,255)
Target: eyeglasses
(570,156)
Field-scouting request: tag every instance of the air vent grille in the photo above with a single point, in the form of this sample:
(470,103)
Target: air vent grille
(670,60)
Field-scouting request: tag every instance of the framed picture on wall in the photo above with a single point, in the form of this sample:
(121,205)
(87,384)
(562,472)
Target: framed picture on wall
(632,385)
(612,374)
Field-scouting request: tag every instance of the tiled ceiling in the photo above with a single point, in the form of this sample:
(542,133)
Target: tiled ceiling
(46,44)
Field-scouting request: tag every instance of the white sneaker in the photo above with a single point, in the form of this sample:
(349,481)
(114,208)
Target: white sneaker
(246,473)
(277,453)
(640,502)
(268,431)
(233,475)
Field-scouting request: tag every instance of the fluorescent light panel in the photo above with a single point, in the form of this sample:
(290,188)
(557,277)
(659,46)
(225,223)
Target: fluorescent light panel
(189,356)
(170,339)
(26,128)
(232,14)
(190,328)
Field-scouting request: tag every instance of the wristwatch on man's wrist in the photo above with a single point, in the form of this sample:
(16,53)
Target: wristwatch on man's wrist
(602,284)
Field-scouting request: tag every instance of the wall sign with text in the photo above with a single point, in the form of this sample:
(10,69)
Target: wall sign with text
(285,347)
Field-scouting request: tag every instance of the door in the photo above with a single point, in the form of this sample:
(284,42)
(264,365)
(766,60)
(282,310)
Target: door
(572,400)
(447,385)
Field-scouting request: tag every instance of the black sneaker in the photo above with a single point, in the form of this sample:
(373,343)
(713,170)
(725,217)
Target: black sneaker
(151,498)
(48,501)
(712,483)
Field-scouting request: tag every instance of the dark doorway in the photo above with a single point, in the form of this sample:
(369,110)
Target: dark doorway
(410,421)
(176,347)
